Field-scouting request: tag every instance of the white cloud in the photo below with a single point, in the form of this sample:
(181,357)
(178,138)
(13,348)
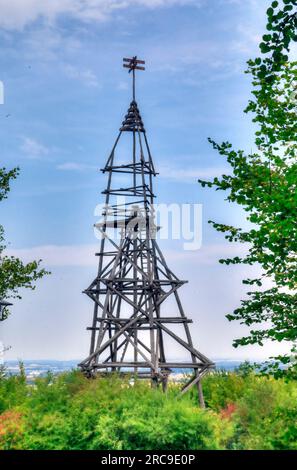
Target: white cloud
(73,166)
(33,149)
(83,255)
(16,14)
(208,254)
(192,174)
(248,38)
(58,255)
(86,76)
(45,43)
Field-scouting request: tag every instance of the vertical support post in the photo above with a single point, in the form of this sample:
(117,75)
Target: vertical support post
(187,330)
(135,295)
(102,245)
(200,395)
(133,71)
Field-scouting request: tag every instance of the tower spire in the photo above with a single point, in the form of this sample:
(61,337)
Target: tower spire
(133,64)
(129,331)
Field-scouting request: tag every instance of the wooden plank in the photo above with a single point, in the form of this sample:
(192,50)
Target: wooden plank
(138,61)
(135,67)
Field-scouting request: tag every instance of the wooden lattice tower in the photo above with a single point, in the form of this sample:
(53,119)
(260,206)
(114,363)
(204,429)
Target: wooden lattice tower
(133,278)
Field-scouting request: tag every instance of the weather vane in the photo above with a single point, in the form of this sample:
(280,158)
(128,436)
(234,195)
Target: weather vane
(133,64)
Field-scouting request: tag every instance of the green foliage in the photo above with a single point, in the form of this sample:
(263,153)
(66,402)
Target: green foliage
(244,411)
(160,425)
(72,412)
(264,183)
(5,177)
(227,388)
(13,390)
(262,410)
(266,416)
(11,430)
(14,274)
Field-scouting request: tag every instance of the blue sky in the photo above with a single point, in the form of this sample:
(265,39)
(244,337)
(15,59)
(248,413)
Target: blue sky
(65,96)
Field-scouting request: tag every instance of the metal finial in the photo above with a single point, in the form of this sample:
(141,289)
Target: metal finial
(132,65)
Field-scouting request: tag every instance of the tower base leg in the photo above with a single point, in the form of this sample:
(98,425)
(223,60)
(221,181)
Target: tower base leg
(200,395)
(164,384)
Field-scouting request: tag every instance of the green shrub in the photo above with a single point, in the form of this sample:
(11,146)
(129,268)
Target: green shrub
(166,425)
(11,430)
(260,416)
(223,388)
(13,391)
(50,431)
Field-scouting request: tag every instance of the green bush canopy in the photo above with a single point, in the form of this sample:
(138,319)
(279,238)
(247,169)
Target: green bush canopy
(244,411)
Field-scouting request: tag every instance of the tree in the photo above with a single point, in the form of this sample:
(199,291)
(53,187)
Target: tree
(14,274)
(264,183)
